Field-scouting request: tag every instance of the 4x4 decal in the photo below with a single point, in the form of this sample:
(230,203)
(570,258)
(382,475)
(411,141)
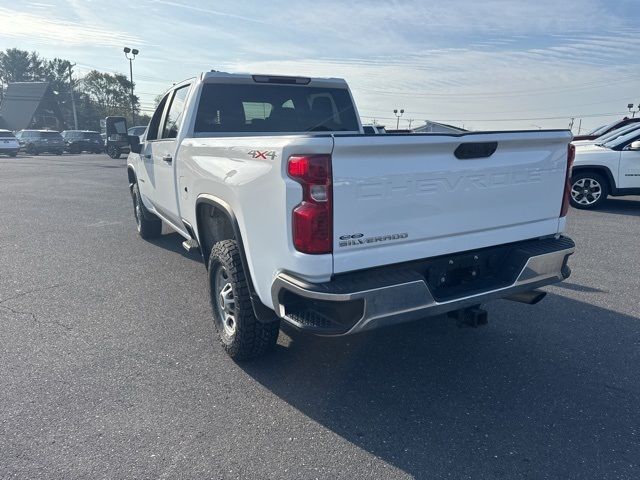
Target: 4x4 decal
(257,154)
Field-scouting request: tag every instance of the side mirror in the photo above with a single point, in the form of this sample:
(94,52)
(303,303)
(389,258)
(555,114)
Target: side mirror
(634,145)
(134,143)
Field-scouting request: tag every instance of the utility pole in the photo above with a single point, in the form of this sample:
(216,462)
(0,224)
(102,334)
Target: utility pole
(410,122)
(579,126)
(73,99)
(133,52)
(571,120)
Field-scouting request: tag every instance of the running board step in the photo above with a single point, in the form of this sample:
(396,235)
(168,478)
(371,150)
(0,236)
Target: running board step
(191,245)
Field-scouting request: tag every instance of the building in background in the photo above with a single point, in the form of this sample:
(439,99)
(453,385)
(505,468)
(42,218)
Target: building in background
(30,105)
(435,127)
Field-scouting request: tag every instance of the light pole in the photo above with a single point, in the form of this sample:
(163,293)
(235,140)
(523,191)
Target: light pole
(131,57)
(632,111)
(398,115)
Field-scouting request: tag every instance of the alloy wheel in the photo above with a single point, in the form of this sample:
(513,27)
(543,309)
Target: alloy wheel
(586,191)
(225,301)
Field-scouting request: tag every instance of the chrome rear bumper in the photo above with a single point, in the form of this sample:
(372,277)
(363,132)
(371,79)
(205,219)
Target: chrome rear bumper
(368,300)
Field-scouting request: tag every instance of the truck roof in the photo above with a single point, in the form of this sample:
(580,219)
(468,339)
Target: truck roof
(214,75)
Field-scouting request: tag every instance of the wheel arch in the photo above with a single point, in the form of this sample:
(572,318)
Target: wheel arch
(599,169)
(131,174)
(209,210)
(228,230)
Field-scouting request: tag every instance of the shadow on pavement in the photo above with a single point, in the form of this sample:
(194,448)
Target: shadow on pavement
(172,242)
(535,394)
(621,206)
(579,288)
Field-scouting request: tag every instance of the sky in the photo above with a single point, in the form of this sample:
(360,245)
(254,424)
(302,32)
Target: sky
(481,64)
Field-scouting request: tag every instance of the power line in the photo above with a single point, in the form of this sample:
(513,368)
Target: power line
(528,109)
(630,78)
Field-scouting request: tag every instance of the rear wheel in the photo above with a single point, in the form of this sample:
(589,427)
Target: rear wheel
(31,149)
(74,149)
(149,226)
(241,334)
(13,154)
(588,190)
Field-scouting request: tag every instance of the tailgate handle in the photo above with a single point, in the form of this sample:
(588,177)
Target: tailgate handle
(467,151)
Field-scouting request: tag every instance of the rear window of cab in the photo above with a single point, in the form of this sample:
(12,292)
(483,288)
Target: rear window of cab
(274,108)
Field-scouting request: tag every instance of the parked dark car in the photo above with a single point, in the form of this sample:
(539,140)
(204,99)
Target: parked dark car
(603,130)
(138,130)
(83,141)
(34,142)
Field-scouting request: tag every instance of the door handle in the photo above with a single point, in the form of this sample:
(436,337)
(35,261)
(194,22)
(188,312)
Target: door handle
(167,158)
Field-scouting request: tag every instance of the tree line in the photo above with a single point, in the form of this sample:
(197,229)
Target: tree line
(97,94)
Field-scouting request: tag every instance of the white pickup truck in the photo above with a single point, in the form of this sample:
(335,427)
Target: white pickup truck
(303,218)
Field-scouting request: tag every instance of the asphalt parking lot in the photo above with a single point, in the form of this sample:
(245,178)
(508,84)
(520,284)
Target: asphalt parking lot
(109,367)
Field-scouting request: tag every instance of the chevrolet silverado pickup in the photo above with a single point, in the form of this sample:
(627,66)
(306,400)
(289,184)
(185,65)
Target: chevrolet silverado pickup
(302,218)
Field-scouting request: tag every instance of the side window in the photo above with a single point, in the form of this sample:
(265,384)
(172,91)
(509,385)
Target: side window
(154,124)
(174,115)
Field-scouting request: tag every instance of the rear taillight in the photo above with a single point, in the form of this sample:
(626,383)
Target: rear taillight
(571,155)
(312,218)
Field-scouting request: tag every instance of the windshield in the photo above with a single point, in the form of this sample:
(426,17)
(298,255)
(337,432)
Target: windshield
(618,133)
(629,137)
(274,108)
(600,130)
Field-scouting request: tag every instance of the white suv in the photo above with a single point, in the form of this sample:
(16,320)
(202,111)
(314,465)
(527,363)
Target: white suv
(8,143)
(603,169)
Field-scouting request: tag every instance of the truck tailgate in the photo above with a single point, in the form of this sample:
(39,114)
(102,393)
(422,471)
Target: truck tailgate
(402,197)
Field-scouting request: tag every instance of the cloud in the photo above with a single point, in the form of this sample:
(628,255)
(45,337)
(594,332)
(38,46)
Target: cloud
(19,25)
(208,11)
(463,59)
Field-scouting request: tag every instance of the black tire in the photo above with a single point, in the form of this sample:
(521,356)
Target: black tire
(149,226)
(588,190)
(58,152)
(13,154)
(114,152)
(31,149)
(249,338)
(74,149)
